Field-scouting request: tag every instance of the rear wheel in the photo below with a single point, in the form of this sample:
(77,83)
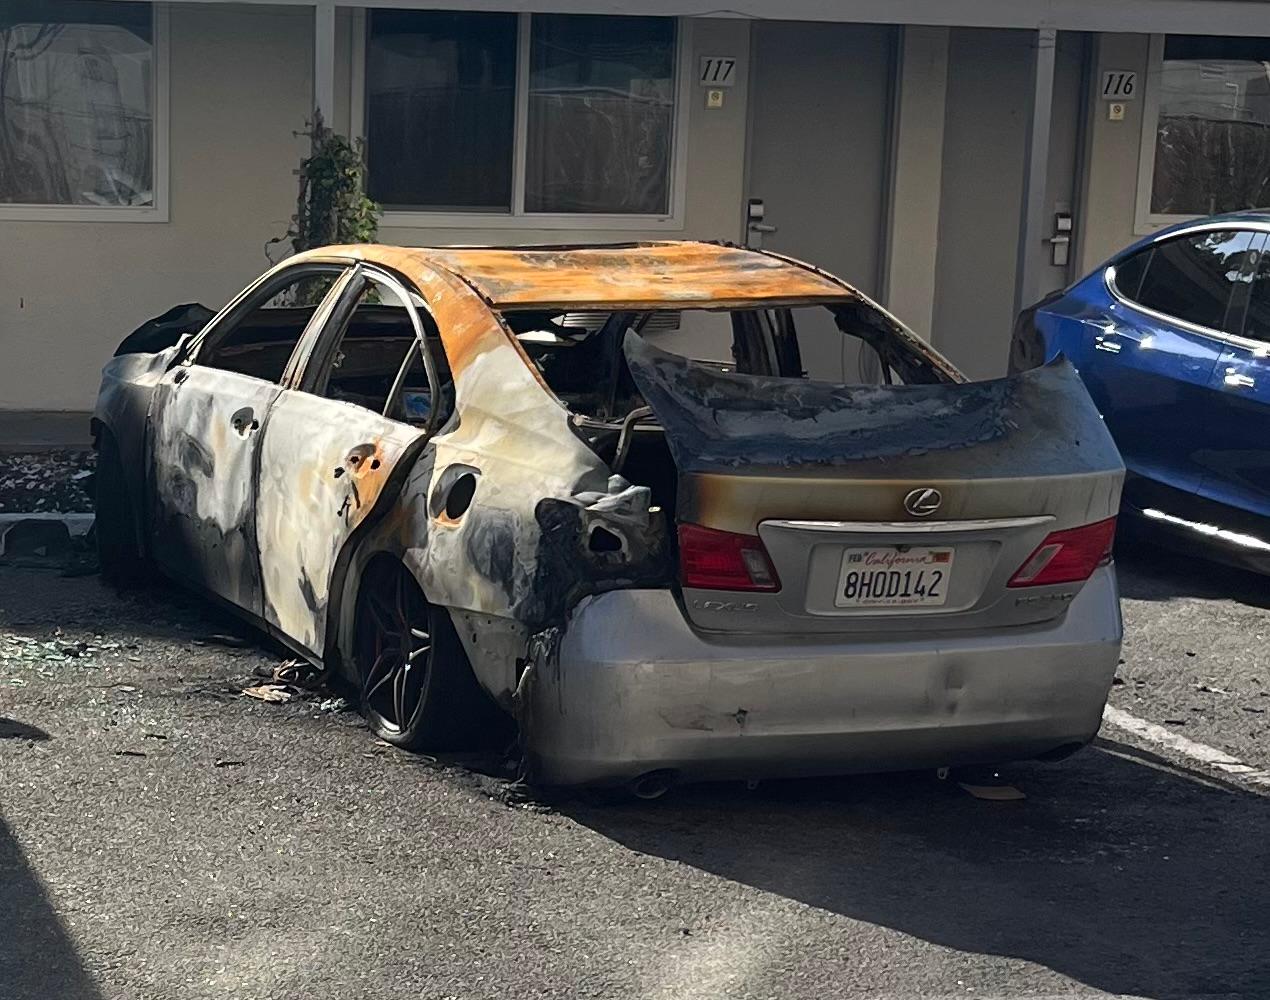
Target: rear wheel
(417,689)
(120,557)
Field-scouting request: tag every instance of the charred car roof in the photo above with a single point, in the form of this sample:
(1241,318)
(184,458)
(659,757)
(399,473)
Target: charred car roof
(682,274)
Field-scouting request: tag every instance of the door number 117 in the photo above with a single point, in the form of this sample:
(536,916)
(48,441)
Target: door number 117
(717,71)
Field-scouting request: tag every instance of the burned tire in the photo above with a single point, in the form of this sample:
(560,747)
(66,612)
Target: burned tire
(122,562)
(417,689)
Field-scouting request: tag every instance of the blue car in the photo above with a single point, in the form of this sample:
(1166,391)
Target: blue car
(1172,339)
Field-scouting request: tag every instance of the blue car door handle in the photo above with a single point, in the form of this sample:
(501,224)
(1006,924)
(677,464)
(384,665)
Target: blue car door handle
(1235,379)
(1108,338)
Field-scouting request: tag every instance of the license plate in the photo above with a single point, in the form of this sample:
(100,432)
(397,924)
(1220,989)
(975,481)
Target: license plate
(894,578)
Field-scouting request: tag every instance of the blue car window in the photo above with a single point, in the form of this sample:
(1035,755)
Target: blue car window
(1257,324)
(1130,271)
(1192,277)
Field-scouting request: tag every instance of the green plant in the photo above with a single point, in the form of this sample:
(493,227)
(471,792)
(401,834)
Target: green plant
(333,206)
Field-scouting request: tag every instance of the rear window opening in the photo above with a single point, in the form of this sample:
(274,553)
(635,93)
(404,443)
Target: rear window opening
(579,355)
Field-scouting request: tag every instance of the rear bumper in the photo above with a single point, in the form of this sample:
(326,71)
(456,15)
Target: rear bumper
(633,689)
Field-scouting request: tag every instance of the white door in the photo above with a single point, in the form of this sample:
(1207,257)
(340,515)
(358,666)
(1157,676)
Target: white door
(204,437)
(359,412)
(820,121)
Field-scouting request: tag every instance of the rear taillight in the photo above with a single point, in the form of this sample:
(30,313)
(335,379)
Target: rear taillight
(1067,556)
(723,560)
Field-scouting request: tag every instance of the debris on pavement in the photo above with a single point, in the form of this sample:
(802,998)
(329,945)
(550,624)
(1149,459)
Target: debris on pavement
(229,763)
(335,705)
(294,673)
(222,639)
(54,481)
(41,654)
(269,692)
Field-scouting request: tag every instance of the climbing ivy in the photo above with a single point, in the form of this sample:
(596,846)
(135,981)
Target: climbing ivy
(332,206)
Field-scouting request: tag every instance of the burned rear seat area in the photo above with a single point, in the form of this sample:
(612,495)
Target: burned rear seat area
(586,358)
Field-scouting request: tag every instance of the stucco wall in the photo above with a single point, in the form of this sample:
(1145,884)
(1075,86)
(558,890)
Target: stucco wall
(70,291)
(984,136)
(1111,186)
(241,85)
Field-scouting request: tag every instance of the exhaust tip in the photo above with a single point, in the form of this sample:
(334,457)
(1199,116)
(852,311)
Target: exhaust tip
(653,785)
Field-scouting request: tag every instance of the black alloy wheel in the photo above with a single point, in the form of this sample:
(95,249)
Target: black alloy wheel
(417,689)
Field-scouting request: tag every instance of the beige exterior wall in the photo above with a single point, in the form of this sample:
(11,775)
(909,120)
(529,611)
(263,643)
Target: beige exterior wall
(917,185)
(241,86)
(985,134)
(70,291)
(1111,184)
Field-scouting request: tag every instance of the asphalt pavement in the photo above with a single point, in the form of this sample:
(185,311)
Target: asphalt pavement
(164,836)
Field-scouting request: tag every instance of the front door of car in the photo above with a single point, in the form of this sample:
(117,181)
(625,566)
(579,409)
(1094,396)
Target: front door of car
(359,410)
(1237,459)
(1148,358)
(204,434)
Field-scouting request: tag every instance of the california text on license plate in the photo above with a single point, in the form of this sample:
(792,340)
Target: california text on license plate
(894,578)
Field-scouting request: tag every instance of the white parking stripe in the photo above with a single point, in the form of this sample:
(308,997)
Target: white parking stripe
(1204,754)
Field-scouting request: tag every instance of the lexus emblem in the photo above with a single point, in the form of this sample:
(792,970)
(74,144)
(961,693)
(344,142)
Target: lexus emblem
(923,502)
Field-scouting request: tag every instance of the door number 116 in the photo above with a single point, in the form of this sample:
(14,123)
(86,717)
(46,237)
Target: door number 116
(1119,85)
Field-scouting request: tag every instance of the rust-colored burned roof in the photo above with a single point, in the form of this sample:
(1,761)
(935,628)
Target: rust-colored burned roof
(636,275)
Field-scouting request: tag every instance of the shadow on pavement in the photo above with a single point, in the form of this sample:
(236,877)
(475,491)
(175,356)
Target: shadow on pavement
(1156,569)
(36,600)
(37,959)
(1127,877)
(12,729)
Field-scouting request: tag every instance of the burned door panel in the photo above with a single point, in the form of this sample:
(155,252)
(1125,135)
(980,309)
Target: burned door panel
(128,384)
(324,466)
(204,434)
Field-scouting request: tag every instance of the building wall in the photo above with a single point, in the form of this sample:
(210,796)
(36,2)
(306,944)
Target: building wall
(70,291)
(1111,184)
(985,131)
(716,165)
(241,86)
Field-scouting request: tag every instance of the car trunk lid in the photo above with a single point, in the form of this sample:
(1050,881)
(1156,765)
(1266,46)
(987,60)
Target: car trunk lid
(957,484)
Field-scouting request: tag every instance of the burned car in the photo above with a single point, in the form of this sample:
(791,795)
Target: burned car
(681,510)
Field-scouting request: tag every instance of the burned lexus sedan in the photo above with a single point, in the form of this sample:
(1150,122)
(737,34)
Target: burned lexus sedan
(681,510)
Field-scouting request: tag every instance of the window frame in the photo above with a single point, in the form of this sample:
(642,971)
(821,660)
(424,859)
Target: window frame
(1146,222)
(312,371)
(517,217)
(200,350)
(160,210)
(1120,298)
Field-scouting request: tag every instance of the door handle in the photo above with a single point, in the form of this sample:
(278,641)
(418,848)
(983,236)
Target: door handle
(1108,340)
(1108,337)
(363,453)
(762,227)
(244,421)
(1235,379)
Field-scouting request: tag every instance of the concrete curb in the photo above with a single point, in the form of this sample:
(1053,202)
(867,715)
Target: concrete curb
(44,430)
(46,527)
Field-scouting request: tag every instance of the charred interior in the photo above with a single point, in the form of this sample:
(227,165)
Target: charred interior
(581,357)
